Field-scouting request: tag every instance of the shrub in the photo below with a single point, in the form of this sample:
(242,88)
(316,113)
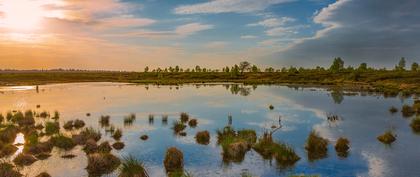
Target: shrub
(52,128)
(131,167)
(24,159)
(8,170)
(117,134)
(184,117)
(415,124)
(203,137)
(193,123)
(234,145)
(102,163)
(174,160)
(387,138)
(91,133)
(63,142)
(178,126)
(316,146)
(118,145)
(342,147)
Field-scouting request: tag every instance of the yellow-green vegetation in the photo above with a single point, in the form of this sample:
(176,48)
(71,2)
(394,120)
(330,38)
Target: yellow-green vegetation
(415,124)
(63,142)
(316,146)
(407,111)
(178,126)
(131,167)
(342,147)
(128,120)
(184,117)
(174,160)
(104,147)
(43,174)
(52,128)
(9,170)
(203,137)
(102,163)
(235,144)
(283,153)
(387,138)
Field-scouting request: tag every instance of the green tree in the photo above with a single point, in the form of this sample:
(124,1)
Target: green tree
(415,66)
(269,69)
(235,70)
(197,69)
(177,68)
(362,67)
(243,66)
(337,65)
(255,69)
(401,65)
(146,69)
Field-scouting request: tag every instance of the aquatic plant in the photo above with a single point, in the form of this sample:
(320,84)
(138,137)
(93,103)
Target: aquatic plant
(91,133)
(43,174)
(234,145)
(104,120)
(8,133)
(118,145)
(283,153)
(87,114)
(387,138)
(9,116)
(7,150)
(193,123)
(56,115)
(184,117)
(24,159)
(316,146)
(63,142)
(144,137)
(203,137)
(104,147)
(271,107)
(407,111)
(151,118)
(102,163)
(110,129)
(342,147)
(178,126)
(8,170)
(1,118)
(415,124)
(117,134)
(39,148)
(131,167)
(174,160)
(90,147)
(393,109)
(52,128)
(164,119)
(78,124)
(68,125)
(128,120)
(182,133)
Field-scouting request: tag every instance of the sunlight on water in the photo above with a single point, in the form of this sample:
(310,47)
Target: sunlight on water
(17,88)
(19,143)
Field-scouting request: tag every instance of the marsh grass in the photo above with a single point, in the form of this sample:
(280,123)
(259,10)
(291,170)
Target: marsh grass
(104,147)
(235,144)
(77,124)
(68,125)
(316,146)
(131,167)
(387,138)
(128,120)
(8,133)
(8,170)
(164,119)
(178,126)
(393,110)
(90,147)
(342,147)
(407,111)
(151,119)
(174,160)
(24,159)
(52,128)
(56,115)
(117,134)
(102,163)
(415,124)
(283,154)
(184,117)
(104,120)
(203,137)
(63,142)
(193,123)
(7,150)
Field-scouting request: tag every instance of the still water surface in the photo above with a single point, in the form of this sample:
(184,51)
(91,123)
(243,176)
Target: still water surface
(364,117)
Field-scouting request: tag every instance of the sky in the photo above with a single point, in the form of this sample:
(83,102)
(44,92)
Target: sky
(132,34)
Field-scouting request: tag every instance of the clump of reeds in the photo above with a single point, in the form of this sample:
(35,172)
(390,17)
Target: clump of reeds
(203,137)
(131,167)
(144,137)
(342,147)
(7,150)
(234,144)
(316,146)
(178,126)
(104,120)
(387,138)
(104,147)
(24,159)
(151,118)
(117,134)
(415,124)
(43,174)
(78,124)
(110,129)
(128,120)
(118,145)
(63,142)
(174,160)
(56,115)
(184,117)
(393,109)
(282,153)
(52,128)
(8,170)
(102,163)
(164,119)
(407,111)
(91,133)
(90,147)
(193,123)
(68,125)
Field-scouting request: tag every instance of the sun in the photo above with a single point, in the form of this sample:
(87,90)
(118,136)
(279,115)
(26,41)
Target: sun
(21,14)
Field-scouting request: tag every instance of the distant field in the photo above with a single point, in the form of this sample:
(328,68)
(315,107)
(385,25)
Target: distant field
(380,81)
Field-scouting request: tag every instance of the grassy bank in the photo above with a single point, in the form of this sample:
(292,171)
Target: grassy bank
(378,81)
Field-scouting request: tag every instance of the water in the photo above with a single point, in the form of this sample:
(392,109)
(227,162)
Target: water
(363,119)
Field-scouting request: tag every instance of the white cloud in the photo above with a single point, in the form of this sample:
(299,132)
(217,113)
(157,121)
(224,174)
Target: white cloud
(248,37)
(216,45)
(273,22)
(280,31)
(226,6)
(191,28)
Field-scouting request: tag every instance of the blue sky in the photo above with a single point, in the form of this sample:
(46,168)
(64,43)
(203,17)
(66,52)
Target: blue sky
(130,34)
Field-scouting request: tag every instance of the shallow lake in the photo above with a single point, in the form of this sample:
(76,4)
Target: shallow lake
(362,118)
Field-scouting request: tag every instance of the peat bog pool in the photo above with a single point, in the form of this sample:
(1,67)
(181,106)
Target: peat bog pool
(359,117)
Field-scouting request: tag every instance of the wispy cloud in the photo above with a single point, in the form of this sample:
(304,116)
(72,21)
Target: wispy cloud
(226,6)
(216,45)
(248,37)
(273,22)
(192,28)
